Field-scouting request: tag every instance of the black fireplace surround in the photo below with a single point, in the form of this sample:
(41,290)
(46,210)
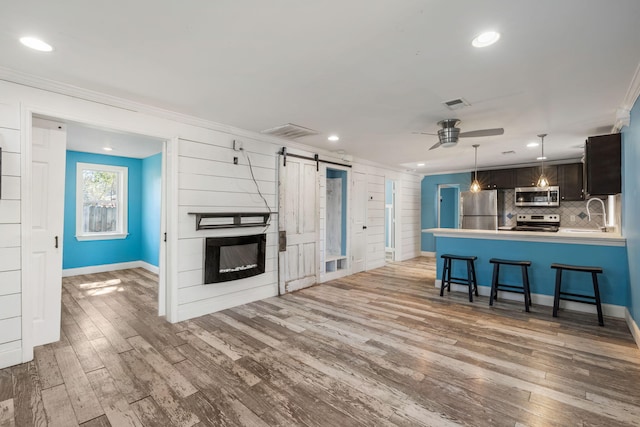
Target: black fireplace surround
(233,258)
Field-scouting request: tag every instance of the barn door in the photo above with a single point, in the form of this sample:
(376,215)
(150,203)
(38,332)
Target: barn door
(298,223)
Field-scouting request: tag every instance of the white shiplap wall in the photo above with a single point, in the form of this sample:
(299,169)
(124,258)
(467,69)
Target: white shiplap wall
(206,180)
(209,181)
(10,243)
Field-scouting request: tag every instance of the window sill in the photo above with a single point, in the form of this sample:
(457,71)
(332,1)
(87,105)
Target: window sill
(98,236)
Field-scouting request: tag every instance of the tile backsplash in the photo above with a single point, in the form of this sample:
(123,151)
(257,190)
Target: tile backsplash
(567,210)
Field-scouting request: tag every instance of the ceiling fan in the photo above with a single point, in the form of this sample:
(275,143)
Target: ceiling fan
(448,133)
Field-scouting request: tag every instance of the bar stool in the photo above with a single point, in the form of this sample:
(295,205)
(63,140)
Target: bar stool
(496,286)
(470,281)
(588,299)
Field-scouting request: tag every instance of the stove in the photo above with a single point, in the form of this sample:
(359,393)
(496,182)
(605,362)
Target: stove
(544,223)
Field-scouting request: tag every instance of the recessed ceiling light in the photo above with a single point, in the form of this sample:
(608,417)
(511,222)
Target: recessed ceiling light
(420,164)
(541,158)
(333,138)
(533,144)
(486,39)
(37,44)
(107,148)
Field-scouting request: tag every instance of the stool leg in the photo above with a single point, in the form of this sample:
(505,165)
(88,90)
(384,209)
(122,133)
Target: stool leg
(473,274)
(494,283)
(449,267)
(443,282)
(469,279)
(556,298)
(525,285)
(596,290)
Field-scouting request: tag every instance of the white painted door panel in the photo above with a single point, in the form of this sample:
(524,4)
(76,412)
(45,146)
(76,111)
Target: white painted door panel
(48,170)
(298,192)
(359,242)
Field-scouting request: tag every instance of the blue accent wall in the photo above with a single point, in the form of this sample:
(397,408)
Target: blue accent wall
(631,206)
(429,200)
(613,283)
(98,252)
(335,173)
(151,208)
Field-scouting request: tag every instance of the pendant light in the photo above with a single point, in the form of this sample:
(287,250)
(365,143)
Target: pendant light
(475,185)
(543,182)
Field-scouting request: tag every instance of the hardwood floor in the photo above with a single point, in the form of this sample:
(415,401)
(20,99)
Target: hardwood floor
(378,348)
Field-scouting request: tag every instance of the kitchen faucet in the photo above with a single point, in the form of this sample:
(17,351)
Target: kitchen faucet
(604,213)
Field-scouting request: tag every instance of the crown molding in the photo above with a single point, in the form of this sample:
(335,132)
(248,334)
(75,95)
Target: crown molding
(623,114)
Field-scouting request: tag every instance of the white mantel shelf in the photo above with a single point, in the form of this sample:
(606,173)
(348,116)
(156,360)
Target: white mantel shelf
(580,238)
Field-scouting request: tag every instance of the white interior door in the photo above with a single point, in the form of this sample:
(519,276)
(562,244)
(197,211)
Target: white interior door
(49,141)
(359,242)
(298,197)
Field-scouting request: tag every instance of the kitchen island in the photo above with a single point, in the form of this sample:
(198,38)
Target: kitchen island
(579,247)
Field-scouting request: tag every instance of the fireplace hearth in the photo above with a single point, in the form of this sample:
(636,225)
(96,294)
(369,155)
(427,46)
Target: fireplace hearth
(233,258)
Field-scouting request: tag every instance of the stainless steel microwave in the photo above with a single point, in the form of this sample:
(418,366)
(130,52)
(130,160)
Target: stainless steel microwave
(537,196)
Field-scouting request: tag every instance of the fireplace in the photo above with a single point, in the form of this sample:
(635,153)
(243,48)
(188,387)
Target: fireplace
(233,258)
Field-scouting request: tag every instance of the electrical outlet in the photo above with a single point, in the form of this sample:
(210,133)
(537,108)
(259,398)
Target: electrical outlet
(235,160)
(572,218)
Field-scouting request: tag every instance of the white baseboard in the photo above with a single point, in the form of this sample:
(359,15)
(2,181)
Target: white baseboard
(633,326)
(11,354)
(68,272)
(547,300)
(426,253)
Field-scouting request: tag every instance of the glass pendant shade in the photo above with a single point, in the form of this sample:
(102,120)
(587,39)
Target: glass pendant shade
(475,185)
(543,182)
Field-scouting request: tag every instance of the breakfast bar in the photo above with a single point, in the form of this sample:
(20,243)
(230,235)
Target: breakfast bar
(567,246)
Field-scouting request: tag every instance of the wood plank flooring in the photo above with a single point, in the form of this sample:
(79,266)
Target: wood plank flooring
(379,348)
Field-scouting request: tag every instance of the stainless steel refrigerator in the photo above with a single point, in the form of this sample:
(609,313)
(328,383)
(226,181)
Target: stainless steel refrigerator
(480,210)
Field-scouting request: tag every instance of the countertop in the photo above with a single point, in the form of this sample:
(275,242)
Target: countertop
(580,237)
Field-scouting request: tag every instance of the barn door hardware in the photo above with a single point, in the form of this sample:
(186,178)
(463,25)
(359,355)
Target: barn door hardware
(316,158)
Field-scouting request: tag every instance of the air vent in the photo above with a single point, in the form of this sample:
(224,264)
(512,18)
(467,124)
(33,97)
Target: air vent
(290,131)
(456,104)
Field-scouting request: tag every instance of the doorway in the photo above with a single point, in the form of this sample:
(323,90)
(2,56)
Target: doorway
(390,220)
(54,226)
(448,206)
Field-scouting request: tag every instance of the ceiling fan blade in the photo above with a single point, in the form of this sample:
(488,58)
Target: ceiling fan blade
(436,145)
(424,133)
(482,132)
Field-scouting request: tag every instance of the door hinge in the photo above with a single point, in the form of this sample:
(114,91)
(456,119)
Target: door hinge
(165,237)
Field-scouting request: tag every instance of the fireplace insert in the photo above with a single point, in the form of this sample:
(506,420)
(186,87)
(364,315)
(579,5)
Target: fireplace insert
(233,258)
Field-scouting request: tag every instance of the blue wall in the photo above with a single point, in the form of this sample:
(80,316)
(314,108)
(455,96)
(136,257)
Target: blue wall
(429,198)
(334,173)
(613,283)
(631,206)
(449,207)
(151,208)
(97,252)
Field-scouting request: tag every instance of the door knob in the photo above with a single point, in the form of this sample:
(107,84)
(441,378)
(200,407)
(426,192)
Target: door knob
(364,227)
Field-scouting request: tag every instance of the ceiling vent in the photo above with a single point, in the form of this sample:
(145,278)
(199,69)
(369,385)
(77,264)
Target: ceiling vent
(290,131)
(456,104)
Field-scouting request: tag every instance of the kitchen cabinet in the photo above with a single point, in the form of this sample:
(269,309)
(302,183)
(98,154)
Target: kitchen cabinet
(528,177)
(603,162)
(497,179)
(570,181)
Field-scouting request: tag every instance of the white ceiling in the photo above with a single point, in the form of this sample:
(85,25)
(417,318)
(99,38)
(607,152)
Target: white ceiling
(371,71)
(90,139)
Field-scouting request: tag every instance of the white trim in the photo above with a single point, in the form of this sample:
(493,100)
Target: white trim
(633,92)
(595,238)
(171,267)
(69,272)
(427,253)
(545,300)
(633,326)
(122,203)
(26,197)
(11,357)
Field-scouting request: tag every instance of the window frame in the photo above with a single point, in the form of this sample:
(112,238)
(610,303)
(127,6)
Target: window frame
(123,213)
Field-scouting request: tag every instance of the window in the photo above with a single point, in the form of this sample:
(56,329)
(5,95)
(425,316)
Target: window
(101,202)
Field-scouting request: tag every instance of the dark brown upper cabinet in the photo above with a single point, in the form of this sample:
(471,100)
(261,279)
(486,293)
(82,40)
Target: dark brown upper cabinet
(570,180)
(603,164)
(528,177)
(497,179)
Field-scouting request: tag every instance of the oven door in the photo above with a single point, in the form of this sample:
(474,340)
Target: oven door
(535,196)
